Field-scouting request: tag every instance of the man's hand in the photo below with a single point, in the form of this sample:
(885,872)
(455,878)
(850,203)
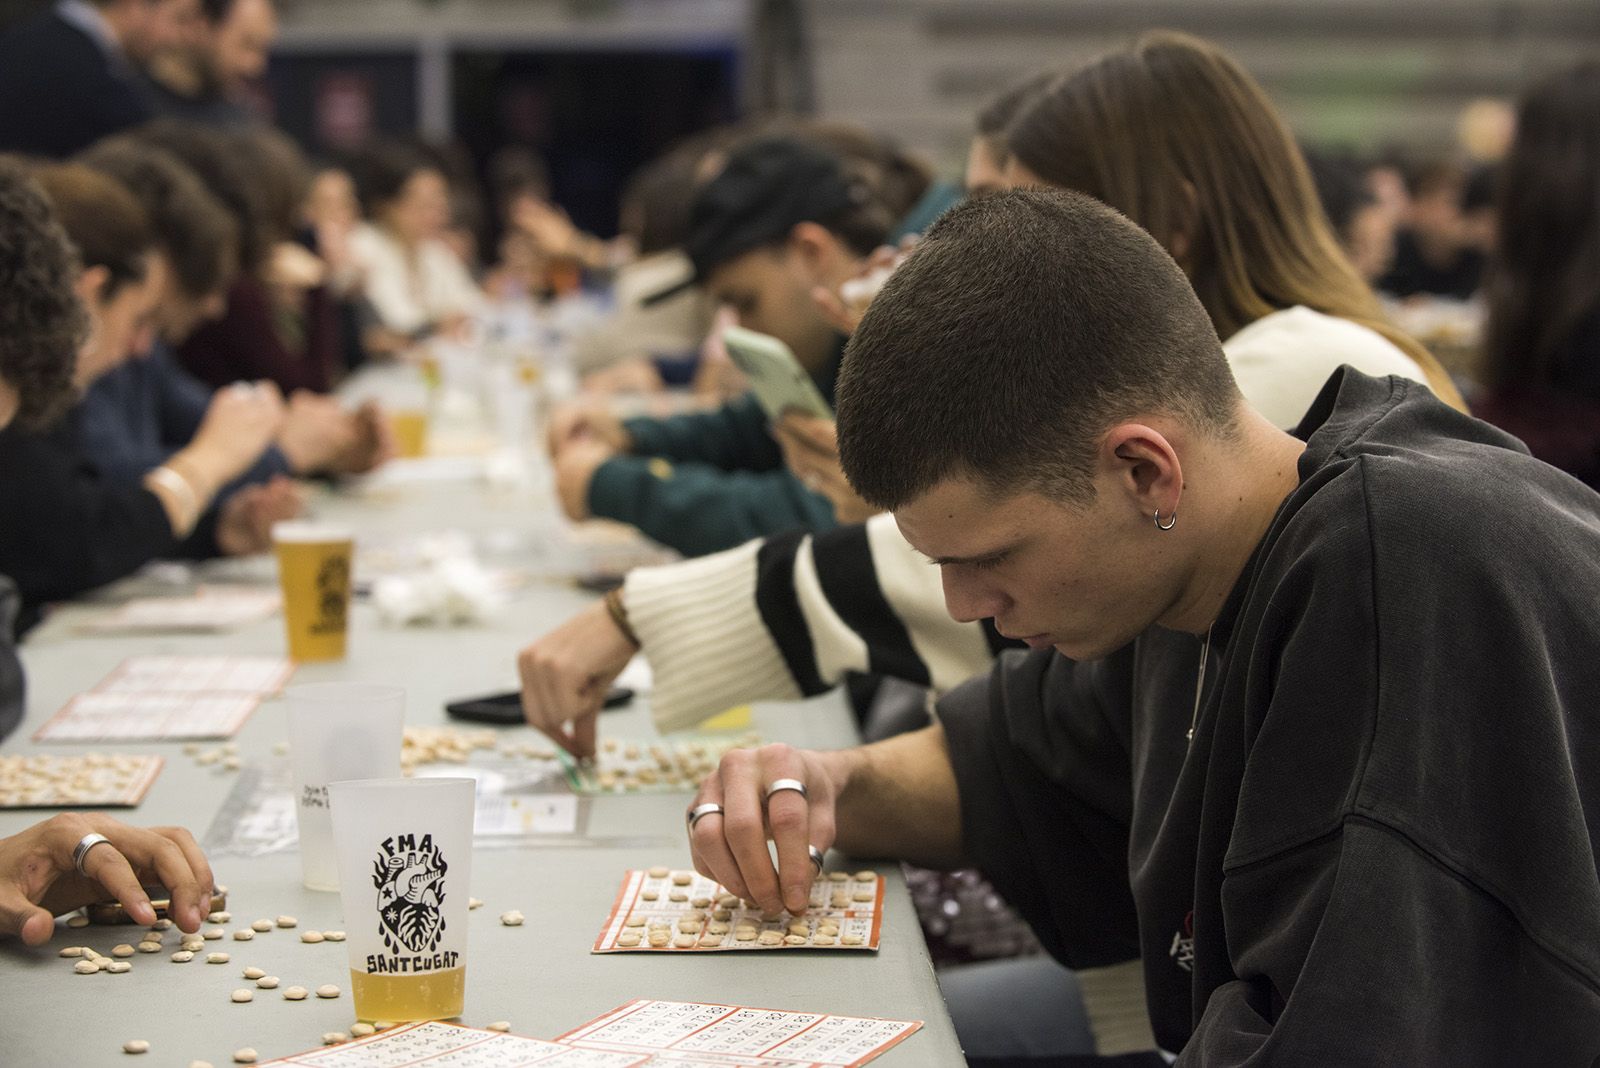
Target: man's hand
(575,469)
(731,846)
(896,799)
(317,432)
(244,526)
(586,421)
(629,376)
(811,450)
(38,882)
(375,443)
(566,675)
(547,226)
(241,421)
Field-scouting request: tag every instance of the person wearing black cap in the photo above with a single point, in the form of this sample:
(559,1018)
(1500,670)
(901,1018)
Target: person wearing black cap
(781,218)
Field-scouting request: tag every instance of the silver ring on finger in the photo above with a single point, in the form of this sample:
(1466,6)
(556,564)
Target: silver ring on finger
(700,812)
(81,850)
(816,857)
(780,785)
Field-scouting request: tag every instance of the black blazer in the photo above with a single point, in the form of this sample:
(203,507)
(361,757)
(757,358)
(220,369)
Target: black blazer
(59,93)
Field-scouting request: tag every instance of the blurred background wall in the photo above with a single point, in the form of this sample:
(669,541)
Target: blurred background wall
(598,86)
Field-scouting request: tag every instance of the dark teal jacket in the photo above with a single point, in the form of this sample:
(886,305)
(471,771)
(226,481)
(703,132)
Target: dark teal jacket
(706,482)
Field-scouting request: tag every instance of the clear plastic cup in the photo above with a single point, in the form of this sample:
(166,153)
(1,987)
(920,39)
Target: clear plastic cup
(337,730)
(405,869)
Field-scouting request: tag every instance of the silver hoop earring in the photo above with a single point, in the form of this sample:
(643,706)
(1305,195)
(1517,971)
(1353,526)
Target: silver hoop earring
(1170,524)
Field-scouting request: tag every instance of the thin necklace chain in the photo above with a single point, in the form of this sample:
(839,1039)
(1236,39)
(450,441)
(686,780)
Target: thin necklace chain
(1200,684)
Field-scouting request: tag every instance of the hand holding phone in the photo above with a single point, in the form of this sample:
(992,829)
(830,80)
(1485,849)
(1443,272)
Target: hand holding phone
(776,377)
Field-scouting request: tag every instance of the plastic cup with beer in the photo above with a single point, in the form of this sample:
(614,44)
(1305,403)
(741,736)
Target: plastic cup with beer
(314,564)
(410,427)
(405,866)
(407,407)
(337,731)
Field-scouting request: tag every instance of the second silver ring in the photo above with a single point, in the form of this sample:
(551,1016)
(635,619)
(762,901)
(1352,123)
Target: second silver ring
(780,785)
(700,812)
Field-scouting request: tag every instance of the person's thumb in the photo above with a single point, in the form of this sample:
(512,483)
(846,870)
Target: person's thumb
(21,917)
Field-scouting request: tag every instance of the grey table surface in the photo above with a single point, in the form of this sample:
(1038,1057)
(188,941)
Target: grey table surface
(541,976)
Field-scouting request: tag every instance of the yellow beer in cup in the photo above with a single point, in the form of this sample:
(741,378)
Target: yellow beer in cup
(314,564)
(431,996)
(410,428)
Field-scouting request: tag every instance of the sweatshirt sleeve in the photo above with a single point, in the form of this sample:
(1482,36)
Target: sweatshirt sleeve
(63,530)
(787,617)
(117,435)
(182,400)
(1046,797)
(735,437)
(697,509)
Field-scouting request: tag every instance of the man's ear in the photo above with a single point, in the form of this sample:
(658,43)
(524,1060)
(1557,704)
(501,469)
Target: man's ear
(91,286)
(1184,227)
(1143,466)
(818,253)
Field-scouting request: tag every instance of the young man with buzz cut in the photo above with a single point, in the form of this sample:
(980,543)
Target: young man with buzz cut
(1311,725)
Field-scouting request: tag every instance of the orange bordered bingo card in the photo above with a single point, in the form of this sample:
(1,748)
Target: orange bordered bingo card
(667,911)
(446,1044)
(681,1032)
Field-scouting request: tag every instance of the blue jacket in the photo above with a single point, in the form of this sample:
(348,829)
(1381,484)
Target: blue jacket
(139,414)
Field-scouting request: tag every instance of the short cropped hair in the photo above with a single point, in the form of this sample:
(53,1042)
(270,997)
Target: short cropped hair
(42,324)
(1024,325)
(194,230)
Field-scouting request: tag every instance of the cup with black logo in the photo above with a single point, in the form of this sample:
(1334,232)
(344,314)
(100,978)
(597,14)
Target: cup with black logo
(405,865)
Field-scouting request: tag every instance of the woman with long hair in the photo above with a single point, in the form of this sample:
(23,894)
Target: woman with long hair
(1174,134)
(1542,342)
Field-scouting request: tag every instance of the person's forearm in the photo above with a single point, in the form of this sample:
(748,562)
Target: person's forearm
(900,800)
(186,485)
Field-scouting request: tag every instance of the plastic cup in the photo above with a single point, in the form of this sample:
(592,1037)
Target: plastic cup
(405,868)
(337,730)
(314,564)
(410,427)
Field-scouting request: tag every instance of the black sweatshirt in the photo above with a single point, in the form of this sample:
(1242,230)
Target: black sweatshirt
(64,529)
(1380,846)
(13,692)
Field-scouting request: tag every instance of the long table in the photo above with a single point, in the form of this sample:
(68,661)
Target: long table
(541,976)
